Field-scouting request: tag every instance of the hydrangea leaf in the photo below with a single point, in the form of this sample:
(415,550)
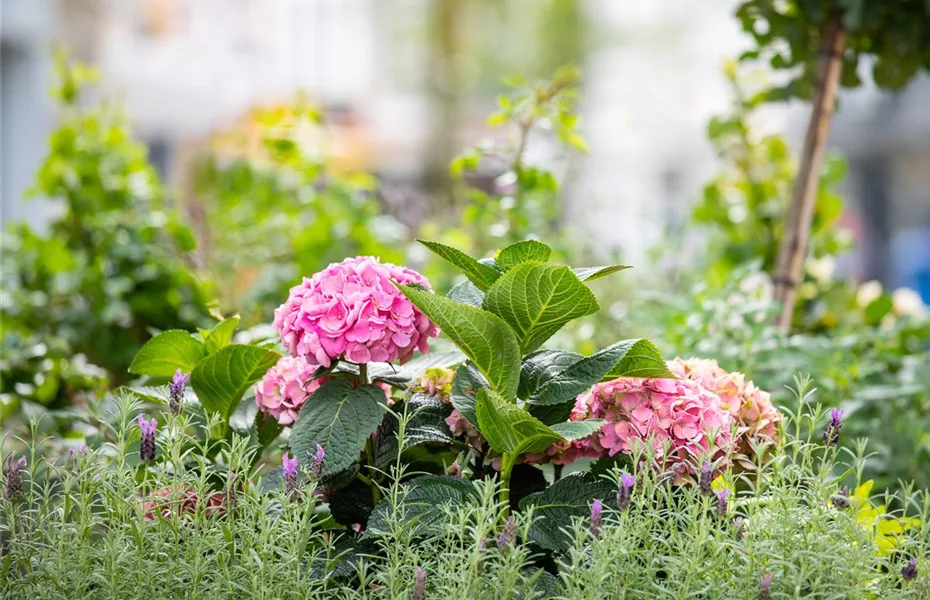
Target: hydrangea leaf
(484,337)
(404,375)
(482,275)
(509,429)
(221,334)
(538,299)
(592,273)
(423,504)
(467,293)
(628,358)
(541,366)
(521,252)
(167,352)
(576,430)
(554,507)
(552,413)
(465,386)
(221,378)
(644,360)
(340,418)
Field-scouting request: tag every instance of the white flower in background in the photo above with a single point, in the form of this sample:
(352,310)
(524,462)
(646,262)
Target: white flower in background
(868,292)
(758,286)
(906,302)
(821,269)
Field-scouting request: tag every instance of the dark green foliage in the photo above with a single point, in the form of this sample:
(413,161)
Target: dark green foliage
(893,36)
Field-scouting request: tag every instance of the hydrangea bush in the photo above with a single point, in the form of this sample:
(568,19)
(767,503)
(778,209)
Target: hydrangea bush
(354,414)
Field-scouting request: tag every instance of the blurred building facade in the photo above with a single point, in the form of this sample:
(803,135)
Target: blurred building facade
(187,68)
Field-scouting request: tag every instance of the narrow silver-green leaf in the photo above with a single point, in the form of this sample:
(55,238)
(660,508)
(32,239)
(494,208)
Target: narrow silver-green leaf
(221,334)
(521,252)
(510,429)
(167,352)
(221,378)
(538,299)
(482,275)
(340,418)
(484,337)
(592,273)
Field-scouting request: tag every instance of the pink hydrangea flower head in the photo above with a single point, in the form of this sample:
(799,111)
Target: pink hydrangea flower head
(677,421)
(285,388)
(463,430)
(752,408)
(352,310)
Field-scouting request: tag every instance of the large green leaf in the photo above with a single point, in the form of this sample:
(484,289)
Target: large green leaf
(551,414)
(538,299)
(541,366)
(404,375)
(423,504)
(629,358)
(522,252)
(221,378)
(221,334)
(467,293)
(644,360)
(465,386)
(482,275)
(484,337)
(510,429)
(554,508)
(576,430)
(340,418)
(592,273)
(167,352)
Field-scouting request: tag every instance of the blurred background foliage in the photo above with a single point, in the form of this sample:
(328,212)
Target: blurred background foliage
(270,201)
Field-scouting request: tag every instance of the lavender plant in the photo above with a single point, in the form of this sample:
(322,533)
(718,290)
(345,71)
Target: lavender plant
(88,526)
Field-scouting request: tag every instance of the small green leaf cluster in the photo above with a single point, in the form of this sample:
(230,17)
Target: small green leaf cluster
(746,203)
(112,267)
(890,36)
(274,208)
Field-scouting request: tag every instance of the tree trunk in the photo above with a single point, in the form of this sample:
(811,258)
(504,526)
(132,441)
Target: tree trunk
(798,223)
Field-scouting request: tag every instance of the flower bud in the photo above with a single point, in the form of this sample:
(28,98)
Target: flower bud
(147,443)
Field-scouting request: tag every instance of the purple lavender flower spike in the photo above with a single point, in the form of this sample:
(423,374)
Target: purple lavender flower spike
(147,443)
(627,482)
(289,466)
(176,391)
(508,534)
(12,476)
(765,587)
(316,465)
(707,477)
(597,508)
(831,435)
(909,571)
(419,588)
(722,496)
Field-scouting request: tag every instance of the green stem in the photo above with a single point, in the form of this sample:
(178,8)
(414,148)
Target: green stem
(507,461)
